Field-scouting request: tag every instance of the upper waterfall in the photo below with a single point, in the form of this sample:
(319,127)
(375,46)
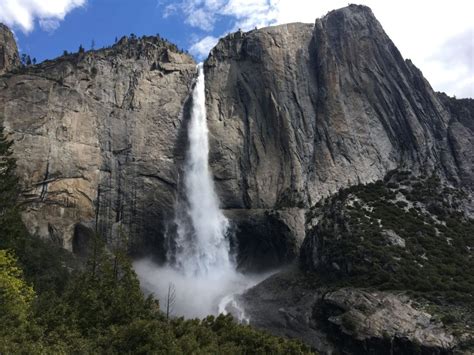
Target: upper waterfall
(201,243)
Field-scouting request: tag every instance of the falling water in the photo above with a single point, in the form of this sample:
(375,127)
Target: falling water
(200,264)
(202,246)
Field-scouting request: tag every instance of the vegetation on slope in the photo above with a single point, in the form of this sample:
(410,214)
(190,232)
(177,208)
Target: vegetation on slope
(49,305)
(405,233)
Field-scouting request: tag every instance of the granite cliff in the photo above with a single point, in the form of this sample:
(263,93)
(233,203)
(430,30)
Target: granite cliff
(97,140)
(295,112)
(300,110)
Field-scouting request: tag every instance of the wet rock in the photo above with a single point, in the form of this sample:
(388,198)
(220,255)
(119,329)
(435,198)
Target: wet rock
(266,239)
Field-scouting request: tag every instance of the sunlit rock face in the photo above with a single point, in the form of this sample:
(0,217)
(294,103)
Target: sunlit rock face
(97,139)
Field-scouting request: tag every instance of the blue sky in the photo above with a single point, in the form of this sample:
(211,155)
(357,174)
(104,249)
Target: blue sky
(437,35)
(103,21)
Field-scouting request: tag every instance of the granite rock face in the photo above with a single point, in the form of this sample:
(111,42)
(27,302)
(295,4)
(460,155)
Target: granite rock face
(9,58)
(97,139)
(298,111)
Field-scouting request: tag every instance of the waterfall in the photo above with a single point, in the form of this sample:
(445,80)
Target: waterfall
(200,265)
(201,243)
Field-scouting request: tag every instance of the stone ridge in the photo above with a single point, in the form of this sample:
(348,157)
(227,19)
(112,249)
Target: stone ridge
(9,58)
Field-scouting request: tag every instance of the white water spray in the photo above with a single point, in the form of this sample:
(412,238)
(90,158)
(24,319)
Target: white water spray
(200,263)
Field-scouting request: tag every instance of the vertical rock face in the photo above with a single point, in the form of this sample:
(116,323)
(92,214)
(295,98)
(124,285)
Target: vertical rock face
(97,139)
(9,58)
(295,112)
(461,136)
(298,111)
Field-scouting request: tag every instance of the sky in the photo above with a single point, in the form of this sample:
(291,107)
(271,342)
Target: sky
(438,36)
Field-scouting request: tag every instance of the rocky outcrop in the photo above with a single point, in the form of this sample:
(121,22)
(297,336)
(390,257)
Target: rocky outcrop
(9,58)
(383,322)
(348,320)
(298,111)
(98,139)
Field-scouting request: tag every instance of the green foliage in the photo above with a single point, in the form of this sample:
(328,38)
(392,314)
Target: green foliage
(404,233)
(102,310)
(16,295)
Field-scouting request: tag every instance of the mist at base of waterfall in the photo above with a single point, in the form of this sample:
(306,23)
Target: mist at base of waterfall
(197,296)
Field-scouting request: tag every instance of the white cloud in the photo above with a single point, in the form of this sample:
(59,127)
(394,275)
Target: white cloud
(23,13)
(201,19)
(201,14)
(49,25)
(418,29)
(202,47)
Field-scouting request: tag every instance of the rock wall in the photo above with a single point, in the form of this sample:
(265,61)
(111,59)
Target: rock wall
(298,111)
(97,140)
